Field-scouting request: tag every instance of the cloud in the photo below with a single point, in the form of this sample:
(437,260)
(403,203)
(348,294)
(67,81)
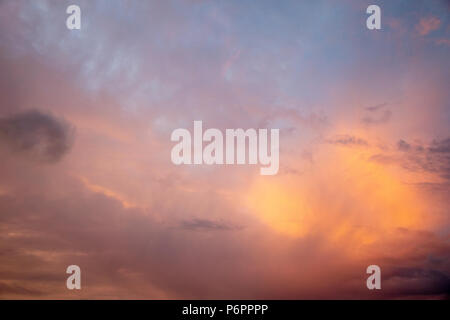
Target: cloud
(433,158)
(443,41)
(120,248)
(426,25)
(385,117)
(417,281)
(17,290)
(442,146)
(376,107)
(403,146)
(38,135)
(348,141)
(204,224)
(140,227)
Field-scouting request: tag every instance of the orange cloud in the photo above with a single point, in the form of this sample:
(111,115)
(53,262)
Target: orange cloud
(348,199)
(108,192)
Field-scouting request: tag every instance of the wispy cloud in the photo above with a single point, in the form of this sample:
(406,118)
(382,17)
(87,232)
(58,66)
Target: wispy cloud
(427,25)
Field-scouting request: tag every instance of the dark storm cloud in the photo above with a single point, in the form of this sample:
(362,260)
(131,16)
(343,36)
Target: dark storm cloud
(348,140)
(38,135)
(418,281)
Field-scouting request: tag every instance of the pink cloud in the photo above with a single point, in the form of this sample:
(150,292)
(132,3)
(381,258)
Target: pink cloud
(426,25)
(443,41)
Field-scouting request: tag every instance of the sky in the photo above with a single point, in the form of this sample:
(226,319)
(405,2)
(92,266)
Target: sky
(86,176)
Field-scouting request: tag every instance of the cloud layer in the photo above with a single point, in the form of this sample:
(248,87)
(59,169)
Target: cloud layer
(364,150)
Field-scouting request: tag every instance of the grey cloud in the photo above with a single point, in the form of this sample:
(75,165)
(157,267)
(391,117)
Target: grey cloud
(38,135)
(403,146)
(436,260)
(385,117)
(440,146)
(205,224)
(348,140)
(432,158)
(418,281)
(376,107)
